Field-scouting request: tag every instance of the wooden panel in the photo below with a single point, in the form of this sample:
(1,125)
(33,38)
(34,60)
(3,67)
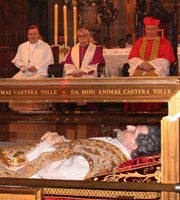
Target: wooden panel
(130,14)
(13,22)
(170,153)
(7,69)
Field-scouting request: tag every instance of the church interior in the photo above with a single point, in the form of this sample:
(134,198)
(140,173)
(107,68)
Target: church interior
(78,109)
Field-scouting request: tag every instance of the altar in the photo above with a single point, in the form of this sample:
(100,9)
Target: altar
(115,58)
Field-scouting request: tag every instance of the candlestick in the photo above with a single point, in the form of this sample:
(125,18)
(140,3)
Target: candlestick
(55,24)
(74,2)
(65,26)
(75,24)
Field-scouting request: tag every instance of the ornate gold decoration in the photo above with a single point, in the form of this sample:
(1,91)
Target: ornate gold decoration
(14,155)
(100,193)
(135,176)
(103,158)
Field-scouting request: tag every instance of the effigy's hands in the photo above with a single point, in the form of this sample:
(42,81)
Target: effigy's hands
(138,129)
(142,129)
(131,128)
(53,138)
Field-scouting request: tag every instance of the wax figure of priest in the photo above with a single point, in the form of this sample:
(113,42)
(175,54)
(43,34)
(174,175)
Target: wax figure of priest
(55,157)
(83,58)
(151,55)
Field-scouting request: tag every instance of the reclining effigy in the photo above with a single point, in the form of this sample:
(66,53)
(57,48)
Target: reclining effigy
(57,158)
(123,90)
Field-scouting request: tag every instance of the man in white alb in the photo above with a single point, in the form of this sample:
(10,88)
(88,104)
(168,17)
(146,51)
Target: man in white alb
(33,57)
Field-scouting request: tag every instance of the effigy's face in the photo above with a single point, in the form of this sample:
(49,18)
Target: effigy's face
(128,139)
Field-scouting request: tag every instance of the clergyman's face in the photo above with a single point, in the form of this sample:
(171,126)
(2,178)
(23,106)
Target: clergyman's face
(83,37)
(151,31)
(33,35)
(61,40)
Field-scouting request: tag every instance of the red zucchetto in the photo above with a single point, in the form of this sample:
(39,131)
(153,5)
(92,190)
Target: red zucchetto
(150,21)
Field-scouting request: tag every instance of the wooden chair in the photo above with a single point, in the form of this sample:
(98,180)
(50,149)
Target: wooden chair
(56,69)
(167,27)
(7,69)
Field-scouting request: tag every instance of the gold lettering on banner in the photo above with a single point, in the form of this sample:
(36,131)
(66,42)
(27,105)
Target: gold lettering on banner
(172,196)
(114,91)
(161,91)
(171,168)
(88,92)
(48,92)
(136,91)
(5,92)
(171,158)
(109,92)
(25,92)
(74,92)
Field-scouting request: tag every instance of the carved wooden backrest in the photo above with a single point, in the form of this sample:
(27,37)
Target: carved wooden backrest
(7,69)
(4,55)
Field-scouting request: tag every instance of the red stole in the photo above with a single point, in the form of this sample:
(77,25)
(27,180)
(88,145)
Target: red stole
(82,51)
(149,49)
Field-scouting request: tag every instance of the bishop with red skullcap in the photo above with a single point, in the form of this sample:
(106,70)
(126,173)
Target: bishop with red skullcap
(151,55)
(151,50)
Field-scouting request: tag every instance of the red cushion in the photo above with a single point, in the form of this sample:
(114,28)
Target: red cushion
(139,163)
(134,170)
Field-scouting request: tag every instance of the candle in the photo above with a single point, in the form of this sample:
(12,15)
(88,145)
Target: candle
(75,24)
(65,26)
(55,24)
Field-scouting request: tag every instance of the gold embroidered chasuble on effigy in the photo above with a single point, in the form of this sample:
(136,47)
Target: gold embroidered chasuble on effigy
(102,157)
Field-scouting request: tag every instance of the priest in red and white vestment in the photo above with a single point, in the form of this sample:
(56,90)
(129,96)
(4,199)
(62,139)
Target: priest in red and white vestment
(151,55)
(83,58)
